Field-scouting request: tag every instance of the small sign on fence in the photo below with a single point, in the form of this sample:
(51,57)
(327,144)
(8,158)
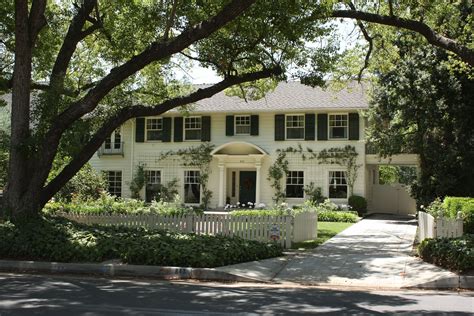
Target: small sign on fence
(275,232)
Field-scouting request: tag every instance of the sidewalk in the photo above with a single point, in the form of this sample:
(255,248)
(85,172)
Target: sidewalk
(374,253)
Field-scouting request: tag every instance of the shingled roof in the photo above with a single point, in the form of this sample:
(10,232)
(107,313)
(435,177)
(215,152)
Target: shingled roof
(289,96)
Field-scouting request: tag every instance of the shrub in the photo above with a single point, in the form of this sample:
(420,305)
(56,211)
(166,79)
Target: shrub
(337,216)
(452,253)
(314,193)
(436,209)
(57,239)
(465,205)
(358,204)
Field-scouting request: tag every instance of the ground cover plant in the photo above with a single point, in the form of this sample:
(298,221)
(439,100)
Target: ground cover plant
(452,253)
(57,239)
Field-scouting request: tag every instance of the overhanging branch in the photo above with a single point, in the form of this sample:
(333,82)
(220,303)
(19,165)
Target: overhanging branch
(137,111)
(434,38)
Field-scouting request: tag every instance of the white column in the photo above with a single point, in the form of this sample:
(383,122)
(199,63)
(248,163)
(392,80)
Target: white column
(221,184)
(257,185)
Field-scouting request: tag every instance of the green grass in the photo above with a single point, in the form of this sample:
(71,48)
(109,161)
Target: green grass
(326,230)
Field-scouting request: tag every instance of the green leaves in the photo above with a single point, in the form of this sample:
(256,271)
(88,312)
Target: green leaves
(56,239)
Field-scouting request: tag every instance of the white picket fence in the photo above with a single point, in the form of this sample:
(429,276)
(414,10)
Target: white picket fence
(282,229)
(430,227)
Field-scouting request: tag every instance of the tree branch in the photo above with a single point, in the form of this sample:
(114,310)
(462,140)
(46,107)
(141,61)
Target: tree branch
(369,40)
(141,110)
(73,36)
(156,51)
(36,19)
(466,54)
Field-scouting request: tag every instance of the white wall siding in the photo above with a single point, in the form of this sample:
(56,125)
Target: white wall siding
(148,152)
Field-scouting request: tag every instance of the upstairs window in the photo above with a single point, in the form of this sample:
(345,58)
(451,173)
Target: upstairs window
(242,125)
(192,187)
(337,185)
(114,141)
(154,128)
(192,128)
(294,184)
(295,126)
(338,126)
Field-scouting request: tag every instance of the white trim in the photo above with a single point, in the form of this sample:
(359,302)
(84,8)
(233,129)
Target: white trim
(184,183)
(146,129)
(286,127)
(235,124)
(304,183)
(193,129)
(217,149)
(329,125)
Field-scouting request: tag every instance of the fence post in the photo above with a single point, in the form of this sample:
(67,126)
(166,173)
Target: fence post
(289,230)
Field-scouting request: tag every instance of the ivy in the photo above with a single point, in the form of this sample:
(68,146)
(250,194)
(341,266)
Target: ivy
(138,181)
(198,157)
(346,157)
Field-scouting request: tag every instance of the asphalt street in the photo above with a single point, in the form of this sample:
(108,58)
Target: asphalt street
(67,295)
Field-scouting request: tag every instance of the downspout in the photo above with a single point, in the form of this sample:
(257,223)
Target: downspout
(132,148)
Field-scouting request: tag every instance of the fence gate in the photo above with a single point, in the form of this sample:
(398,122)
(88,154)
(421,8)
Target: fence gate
(392,199)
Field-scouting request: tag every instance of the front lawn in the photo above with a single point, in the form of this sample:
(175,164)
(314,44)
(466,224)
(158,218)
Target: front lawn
(58,239)
(326,230)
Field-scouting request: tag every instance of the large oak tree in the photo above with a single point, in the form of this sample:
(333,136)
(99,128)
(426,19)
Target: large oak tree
(92,65)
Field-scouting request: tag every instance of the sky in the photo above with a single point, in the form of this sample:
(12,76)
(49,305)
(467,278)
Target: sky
(200,75)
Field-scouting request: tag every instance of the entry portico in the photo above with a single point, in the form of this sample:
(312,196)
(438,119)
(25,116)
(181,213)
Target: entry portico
(239,158)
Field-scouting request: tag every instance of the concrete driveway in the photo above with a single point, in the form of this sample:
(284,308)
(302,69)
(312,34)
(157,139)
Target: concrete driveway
(375,252)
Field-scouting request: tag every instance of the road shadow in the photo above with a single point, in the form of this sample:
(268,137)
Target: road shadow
(29,295)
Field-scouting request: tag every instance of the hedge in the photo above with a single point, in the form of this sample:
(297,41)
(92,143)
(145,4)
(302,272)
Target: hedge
(358,204)
(337,216)
(453,253)
(57,239)
(465,205)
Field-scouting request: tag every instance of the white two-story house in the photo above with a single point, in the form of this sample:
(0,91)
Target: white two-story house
(246,137)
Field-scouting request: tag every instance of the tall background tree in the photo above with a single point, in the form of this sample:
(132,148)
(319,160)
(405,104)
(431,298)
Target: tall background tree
(424,107)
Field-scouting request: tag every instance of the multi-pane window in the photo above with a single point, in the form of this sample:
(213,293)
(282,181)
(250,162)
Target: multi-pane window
(192,186)
(154,128)
(338,126)
(295,126)
(242,125)
(153,183)
(114,180)
(114,141)
(337,185)
(294,184)
(192,128)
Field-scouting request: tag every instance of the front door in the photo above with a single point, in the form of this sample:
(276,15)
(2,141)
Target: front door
(247,186)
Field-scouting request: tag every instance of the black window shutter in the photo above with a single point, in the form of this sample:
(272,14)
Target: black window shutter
(206,128)
(322,127)
(309,126)
(353,126)
(279,127)
(166,135)
(140,129)
(178,129)
(229,125)
(254,125)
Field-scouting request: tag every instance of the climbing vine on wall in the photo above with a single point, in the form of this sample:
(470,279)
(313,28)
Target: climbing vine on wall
(198,157)
(345,157)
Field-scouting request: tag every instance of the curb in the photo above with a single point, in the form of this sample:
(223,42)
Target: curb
(124,270)
(464,282)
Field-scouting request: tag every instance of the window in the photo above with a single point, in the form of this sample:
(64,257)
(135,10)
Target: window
(192,128)
(337,185)
(114,141)
(295,126)
(114,180)
(294,184)
(338,126)
(242,125)
(153,185)
(192,187)
(154,128)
